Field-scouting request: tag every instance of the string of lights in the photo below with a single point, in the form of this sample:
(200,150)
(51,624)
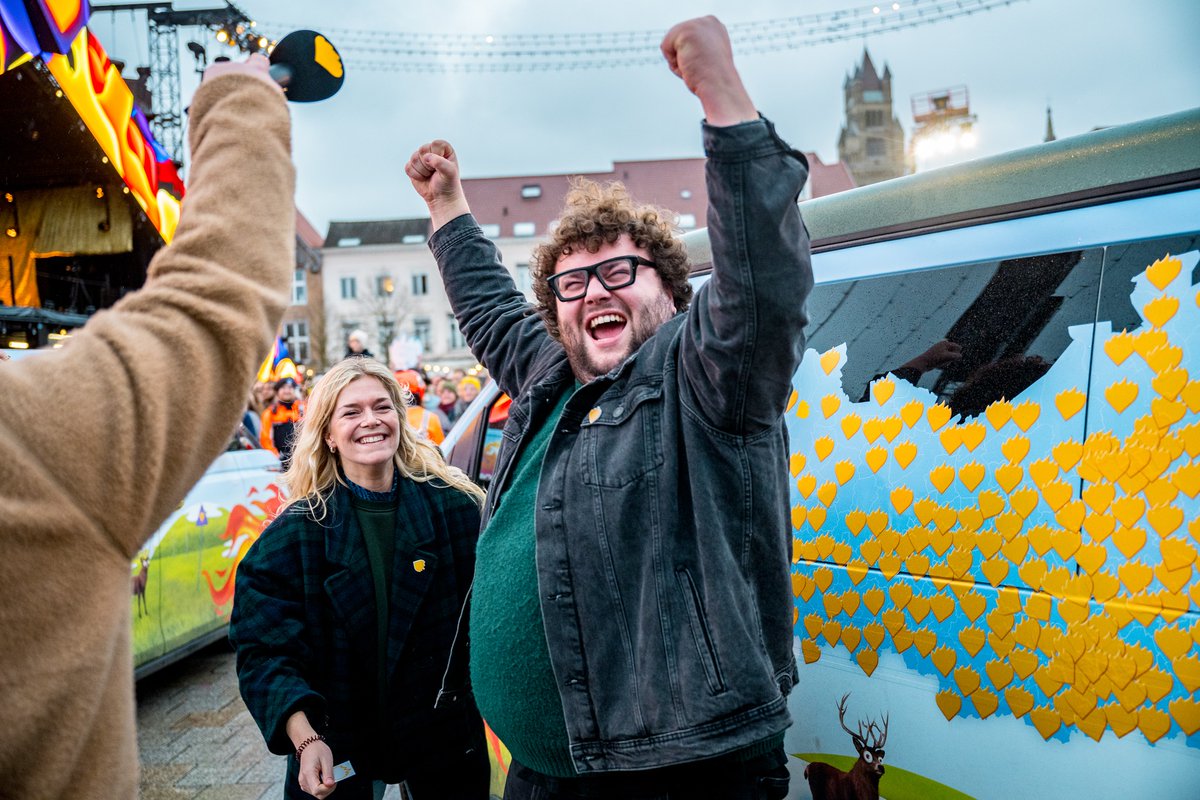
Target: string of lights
(406,51)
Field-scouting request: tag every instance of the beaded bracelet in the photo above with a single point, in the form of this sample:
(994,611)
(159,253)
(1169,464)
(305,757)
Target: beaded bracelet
(316,737)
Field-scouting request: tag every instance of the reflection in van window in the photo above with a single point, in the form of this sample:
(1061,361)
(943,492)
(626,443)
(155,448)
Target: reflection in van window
(1123,263)
(970,334)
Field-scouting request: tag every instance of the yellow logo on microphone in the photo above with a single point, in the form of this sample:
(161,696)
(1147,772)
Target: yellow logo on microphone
(327,57)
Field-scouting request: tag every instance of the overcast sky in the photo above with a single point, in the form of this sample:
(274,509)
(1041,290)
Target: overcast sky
(1097,62)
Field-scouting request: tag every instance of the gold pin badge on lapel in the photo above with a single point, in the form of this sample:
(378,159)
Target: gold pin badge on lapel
(594,414)
(419,565)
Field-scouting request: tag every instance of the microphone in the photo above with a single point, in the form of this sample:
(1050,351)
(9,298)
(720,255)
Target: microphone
(307,66)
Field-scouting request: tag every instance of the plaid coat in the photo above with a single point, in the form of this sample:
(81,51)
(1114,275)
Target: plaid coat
(304,626)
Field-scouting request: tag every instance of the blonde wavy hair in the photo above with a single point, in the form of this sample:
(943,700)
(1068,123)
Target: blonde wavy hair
(313,471)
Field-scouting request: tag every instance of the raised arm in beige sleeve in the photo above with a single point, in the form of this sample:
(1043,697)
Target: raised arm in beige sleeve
(100,440)
(106,435)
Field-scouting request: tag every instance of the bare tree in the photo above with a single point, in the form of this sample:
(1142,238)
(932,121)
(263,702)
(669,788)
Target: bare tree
(382,313)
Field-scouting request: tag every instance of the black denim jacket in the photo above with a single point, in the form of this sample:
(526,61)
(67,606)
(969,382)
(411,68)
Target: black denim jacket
(663,533)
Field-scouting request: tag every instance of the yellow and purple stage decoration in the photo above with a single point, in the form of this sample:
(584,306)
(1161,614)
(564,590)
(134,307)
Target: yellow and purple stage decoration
(55,31)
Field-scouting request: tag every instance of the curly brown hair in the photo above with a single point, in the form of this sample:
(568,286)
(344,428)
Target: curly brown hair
(597,214)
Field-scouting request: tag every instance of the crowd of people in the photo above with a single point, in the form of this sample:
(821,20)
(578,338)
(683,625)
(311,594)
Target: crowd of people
(356,654)
(274,408)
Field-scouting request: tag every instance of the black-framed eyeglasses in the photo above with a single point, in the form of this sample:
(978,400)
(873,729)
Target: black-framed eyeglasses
(614,273)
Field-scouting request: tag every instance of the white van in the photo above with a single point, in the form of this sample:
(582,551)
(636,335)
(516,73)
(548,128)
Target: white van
(995,459)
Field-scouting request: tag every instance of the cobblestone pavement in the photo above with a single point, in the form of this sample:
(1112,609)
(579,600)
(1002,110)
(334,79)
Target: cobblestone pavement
(197,740)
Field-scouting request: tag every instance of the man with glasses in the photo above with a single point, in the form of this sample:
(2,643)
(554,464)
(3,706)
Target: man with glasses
(631,621)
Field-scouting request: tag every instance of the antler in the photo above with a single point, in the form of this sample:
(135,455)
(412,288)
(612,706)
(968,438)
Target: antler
(874,736)
(842,718)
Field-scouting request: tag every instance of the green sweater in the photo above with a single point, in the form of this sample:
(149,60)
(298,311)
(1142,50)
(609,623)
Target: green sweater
(377,518)
(511,673)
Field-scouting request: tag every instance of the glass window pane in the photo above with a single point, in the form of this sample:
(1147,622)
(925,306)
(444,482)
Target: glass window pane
(969,334)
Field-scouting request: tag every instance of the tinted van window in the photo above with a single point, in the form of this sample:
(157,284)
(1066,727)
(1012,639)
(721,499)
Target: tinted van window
(970,334)
(1123,263)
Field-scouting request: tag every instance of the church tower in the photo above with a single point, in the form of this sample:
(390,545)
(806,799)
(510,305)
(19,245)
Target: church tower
(871,142)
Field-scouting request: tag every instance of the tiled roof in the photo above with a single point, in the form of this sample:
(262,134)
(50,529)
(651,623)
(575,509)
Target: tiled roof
(354,233)
(305,230)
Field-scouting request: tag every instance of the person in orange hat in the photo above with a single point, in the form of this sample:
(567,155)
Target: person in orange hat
(426,423)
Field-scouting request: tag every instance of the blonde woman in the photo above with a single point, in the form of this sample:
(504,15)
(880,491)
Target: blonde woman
(347,605)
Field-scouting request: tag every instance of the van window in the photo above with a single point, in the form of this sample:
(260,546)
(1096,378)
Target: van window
(1008,321)
(1123,263)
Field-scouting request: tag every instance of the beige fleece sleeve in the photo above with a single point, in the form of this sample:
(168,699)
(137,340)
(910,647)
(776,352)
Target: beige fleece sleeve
(116,427)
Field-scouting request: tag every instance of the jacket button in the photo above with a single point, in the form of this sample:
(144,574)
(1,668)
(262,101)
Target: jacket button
(618,411)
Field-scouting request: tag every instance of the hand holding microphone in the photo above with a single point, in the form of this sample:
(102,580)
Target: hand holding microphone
(305,66)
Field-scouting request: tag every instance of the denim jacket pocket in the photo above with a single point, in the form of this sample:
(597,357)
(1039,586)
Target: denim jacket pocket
(698,622)
(622,438)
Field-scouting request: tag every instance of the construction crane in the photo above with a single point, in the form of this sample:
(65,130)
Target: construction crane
(945,126)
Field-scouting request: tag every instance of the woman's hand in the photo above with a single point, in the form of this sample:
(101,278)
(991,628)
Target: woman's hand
(316,759)
(316,770)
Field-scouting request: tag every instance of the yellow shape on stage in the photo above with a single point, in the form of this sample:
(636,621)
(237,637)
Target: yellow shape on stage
(950,438)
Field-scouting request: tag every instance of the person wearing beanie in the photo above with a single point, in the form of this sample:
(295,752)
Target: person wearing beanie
(356,345)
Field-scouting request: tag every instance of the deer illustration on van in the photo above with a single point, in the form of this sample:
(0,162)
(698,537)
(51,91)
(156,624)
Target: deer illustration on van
(827,782)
